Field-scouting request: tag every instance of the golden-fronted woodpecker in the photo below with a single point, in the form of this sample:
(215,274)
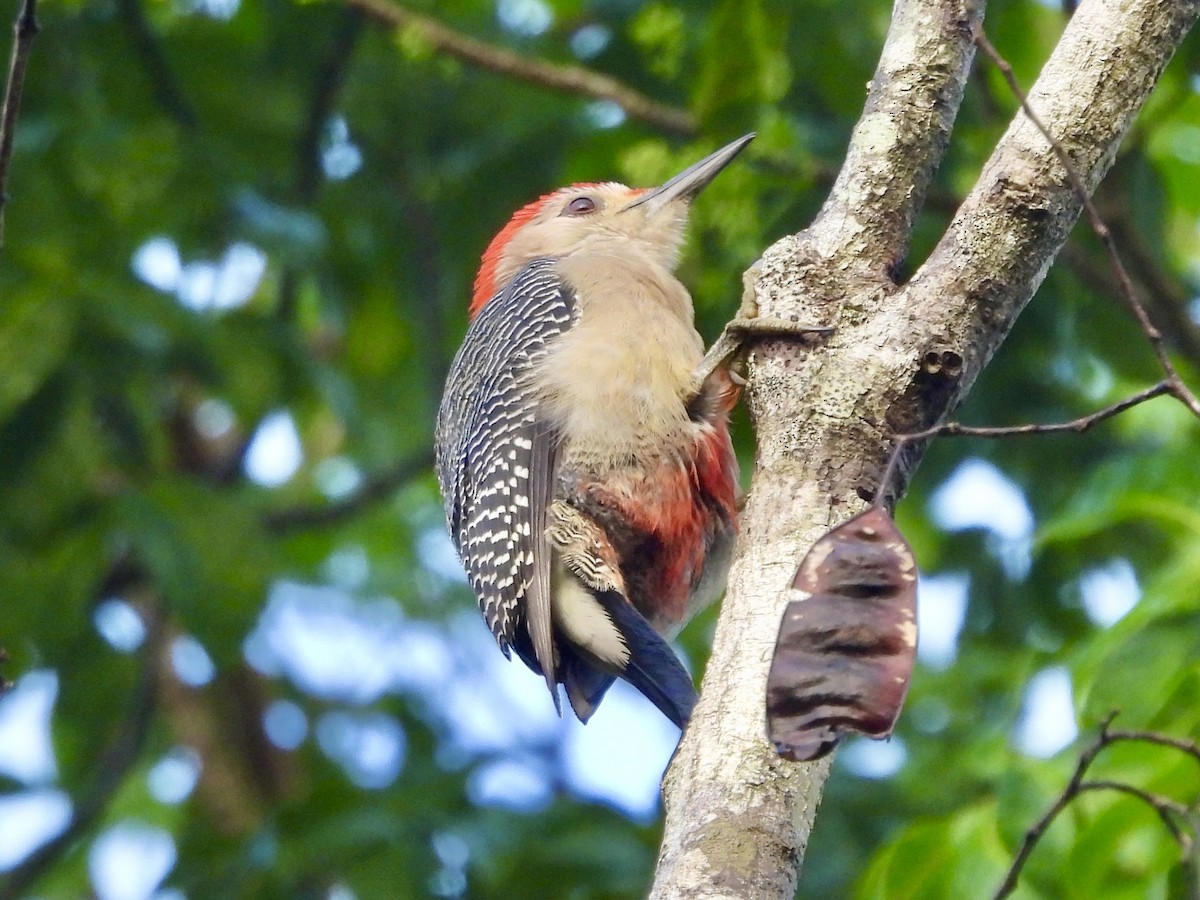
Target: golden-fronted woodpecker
(589,481)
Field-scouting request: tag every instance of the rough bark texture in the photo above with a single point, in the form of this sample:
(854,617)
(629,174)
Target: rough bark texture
(738,817)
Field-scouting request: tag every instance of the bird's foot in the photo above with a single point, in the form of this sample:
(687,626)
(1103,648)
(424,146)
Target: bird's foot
(728,352)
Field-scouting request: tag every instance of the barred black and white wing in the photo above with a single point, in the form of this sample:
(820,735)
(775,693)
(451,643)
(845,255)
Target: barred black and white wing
(495,459)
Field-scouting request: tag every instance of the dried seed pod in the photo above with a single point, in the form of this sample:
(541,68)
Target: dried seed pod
(844,655)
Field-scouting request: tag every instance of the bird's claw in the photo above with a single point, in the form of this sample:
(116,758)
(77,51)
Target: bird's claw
(728,352)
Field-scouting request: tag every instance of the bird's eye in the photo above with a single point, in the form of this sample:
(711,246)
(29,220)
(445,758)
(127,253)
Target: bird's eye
(580,206)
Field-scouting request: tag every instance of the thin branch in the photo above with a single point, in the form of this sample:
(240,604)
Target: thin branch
(25,29)
(1128,295)
(1166,807)
(1035,831)
(1183,745)
(1078,426)
(900,138)
(569,79)
(372,490)
(955,429)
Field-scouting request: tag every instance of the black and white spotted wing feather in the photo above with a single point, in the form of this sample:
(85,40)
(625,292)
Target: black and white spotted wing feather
(496,459)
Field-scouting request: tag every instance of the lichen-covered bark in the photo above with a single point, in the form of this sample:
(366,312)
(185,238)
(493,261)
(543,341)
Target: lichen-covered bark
(738,817)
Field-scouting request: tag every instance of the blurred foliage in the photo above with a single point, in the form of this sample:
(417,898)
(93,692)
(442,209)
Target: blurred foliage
(367,172)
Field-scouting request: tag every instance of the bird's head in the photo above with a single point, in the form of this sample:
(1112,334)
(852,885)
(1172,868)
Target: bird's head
(608,216)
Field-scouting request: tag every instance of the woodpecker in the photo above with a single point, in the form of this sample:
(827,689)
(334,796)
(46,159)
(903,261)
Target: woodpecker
(584,458)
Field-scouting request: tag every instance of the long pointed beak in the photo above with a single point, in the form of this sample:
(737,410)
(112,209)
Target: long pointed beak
(692,180)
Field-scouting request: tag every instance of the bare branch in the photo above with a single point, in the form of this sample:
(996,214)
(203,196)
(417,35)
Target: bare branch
(887,491)
(900,138)
(25,29)
(1035,832)
(1127,292)
(1183,745)
(1167,808)
(1083,423)
(566,78)
(1001,243)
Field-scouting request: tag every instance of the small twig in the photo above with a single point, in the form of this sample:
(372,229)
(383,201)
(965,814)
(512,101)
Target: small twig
(567,78)
(378,487)
(1078,426)
(1183,745)
(1166,808)
(25,29)
(956,429)
(1166,297)
(1128,295)
(1035,832)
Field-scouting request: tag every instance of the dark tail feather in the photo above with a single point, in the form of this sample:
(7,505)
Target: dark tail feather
(653,667)
(586,686)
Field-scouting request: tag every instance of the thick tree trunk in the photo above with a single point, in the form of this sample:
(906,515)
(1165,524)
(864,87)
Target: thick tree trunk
(738,817)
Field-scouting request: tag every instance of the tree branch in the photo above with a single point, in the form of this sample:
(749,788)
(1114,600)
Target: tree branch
(903,132)
(1183,745)
(566,78)
(1035,831)
(1009,229)
(25,29)
(1167,808)
(1127,292)
(737,816)
(1078,426)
